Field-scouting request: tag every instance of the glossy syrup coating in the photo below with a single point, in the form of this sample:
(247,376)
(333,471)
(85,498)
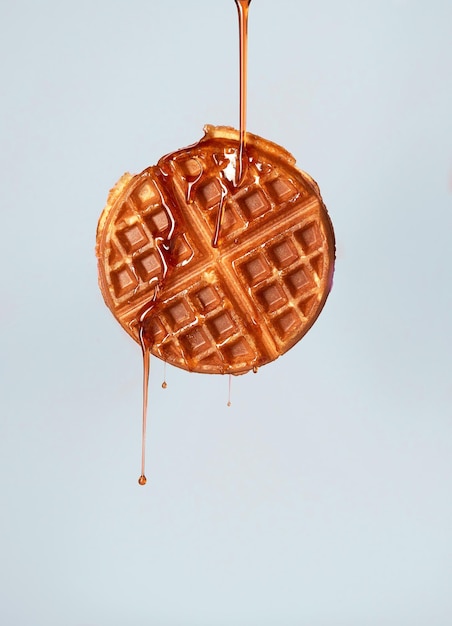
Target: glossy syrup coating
(212,274)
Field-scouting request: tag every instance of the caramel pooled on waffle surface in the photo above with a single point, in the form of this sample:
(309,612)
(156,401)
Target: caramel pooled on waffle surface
(223,309)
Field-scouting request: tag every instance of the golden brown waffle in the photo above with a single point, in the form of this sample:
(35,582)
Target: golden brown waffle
(224,309)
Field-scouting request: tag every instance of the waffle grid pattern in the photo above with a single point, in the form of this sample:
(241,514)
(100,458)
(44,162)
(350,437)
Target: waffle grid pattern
(250,301)
(137,258)
(202,330)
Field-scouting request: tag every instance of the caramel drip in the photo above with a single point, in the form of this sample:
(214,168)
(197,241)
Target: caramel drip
(146,369)
(216,235)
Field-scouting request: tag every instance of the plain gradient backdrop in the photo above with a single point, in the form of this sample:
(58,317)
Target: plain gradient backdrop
(322,497)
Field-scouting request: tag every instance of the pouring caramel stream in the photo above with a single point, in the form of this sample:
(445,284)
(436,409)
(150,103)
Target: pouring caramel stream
(242,8)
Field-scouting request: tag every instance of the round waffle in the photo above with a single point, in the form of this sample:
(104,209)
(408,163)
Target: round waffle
(211,274)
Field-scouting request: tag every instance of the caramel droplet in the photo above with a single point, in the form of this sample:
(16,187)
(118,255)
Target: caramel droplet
(142,480)
(229,403)
(255,369)
(164,385)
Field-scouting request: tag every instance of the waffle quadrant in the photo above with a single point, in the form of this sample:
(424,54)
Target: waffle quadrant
(223,309)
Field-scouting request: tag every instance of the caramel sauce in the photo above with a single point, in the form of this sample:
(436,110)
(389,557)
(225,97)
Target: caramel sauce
(219,258)
(240,167)
(219,220)
(146,370)
(243,8)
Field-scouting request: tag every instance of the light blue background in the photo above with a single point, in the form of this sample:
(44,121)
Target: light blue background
(322,497)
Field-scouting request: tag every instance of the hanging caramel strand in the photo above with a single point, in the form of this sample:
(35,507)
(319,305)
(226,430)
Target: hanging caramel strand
(146,369)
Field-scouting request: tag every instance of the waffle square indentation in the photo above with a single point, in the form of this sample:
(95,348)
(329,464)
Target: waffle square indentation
(282,189)
(222,326)
(191,168)
(318,264)
(181,251)
(195,341)
(158,222)
(133,238)
(287,323)
(272,297)
(154,329)
(123,281)
(210,193)
(212,360)
(307,305)
(239,351)
(180,315)
(146,195)
(256,270)
(284,253)
(170,351)
(206,299)
(148,265)
(255,204)
(309,237)
(299,281)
